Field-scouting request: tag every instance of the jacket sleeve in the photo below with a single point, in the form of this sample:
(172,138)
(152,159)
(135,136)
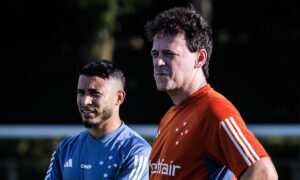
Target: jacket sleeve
(136,165)
(235,146)
(54,170)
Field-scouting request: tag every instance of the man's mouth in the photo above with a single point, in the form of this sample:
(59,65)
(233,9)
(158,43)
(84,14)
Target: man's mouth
(161,72)
(87,112)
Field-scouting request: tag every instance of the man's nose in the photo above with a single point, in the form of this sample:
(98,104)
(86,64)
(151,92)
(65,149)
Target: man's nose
(87,100)
(159,61)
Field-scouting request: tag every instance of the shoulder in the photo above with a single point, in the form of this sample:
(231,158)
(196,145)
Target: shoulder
(209,98)
(216,106)
(72,140)
(219,104)
(132,137)
(133,142)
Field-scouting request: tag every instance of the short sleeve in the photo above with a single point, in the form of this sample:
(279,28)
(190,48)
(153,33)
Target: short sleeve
(238,147)
(136,164)
(54,170)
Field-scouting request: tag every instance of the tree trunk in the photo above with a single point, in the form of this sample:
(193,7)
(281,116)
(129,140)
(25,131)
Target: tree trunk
(103,46)
(205,8)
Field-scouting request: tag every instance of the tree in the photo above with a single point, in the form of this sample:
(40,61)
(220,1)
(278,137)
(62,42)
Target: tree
(105,14)
(205,8)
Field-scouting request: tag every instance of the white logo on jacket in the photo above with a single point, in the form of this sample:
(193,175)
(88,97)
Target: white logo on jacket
(164,168)
(68,163)
(86,166)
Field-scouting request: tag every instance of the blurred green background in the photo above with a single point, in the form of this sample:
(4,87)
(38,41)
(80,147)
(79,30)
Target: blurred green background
(29,158)
(254,64)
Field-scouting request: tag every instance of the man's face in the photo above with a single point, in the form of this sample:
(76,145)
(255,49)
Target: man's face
(173,62)
(95,99)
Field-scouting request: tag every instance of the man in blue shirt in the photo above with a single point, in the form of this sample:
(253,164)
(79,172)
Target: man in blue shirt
(108,149)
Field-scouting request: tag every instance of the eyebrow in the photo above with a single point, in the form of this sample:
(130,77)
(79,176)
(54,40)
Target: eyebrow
(89,89)
(93,90)
(164,50)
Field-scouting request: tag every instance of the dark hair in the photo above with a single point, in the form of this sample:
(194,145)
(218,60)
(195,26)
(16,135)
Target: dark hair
(198,33)
(103,69)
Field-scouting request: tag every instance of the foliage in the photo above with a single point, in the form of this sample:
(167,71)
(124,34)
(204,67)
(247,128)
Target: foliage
(107,11)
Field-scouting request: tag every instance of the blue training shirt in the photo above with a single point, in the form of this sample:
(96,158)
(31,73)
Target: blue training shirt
(120,154)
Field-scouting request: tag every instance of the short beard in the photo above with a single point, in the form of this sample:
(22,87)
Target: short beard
(106,114)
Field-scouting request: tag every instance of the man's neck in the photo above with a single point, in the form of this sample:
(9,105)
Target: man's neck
(180,95)
(106,127)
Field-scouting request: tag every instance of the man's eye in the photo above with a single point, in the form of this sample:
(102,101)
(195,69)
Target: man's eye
(170,54)
(80,92)
(154,54)
(96,94)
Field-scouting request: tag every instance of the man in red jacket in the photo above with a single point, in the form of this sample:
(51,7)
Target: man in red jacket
(202,136)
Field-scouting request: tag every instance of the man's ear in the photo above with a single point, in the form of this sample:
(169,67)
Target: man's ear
(201,58)
(120,97)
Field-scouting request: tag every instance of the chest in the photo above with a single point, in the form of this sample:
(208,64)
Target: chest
(178,135)
(178,150)
(91,161)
